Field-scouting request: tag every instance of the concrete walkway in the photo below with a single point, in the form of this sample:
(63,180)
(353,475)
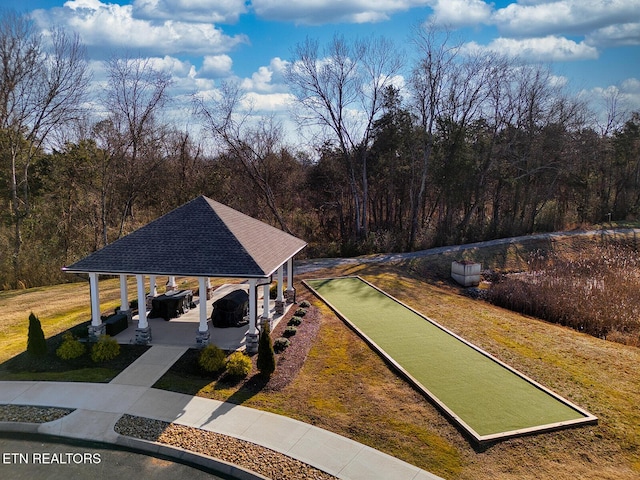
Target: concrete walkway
(99,406)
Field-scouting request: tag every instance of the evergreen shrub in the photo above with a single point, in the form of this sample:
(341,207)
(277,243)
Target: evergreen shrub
(301,312)
(70,347)
(266,355)
(211,358)
(281,344)
(239,365)
(295,321)
(105,349)
(290,331)
(36,343)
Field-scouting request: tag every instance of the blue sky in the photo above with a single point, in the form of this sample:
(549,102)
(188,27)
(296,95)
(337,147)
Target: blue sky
(593,45)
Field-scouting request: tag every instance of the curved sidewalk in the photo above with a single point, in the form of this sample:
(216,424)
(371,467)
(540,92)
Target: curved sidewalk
(99,406)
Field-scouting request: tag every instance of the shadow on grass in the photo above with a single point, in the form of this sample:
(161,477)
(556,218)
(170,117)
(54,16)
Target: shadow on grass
(186,376)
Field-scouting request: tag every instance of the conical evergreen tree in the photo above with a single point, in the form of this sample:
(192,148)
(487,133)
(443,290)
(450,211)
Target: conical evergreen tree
(266,356)
(36,344)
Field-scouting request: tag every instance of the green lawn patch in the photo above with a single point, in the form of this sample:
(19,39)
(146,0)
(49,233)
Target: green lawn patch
(487,398)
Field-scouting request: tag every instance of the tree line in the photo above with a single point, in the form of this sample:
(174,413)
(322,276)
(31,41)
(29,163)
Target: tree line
(457,147)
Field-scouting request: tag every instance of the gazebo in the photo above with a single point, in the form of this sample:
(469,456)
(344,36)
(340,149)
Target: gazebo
(203,239)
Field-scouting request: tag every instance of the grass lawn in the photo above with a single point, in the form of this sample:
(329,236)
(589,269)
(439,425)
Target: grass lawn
(347,388)
(59,308)
(488,398)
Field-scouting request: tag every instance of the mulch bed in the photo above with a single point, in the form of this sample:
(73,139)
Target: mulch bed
(288,363)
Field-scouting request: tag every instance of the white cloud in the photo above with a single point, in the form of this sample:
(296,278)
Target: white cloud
(631,85)
(550,48)
(457,13)
(615,35)
(267,102)
(216,66)
(267,78)
(625,96)
(104,27)
(564,16)
(317,12)
(200,11)
(172,65)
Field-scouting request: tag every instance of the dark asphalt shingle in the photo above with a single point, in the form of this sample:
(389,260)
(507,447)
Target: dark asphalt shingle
(200,238)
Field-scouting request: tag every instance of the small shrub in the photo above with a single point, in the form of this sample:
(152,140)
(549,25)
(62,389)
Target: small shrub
(238,365)
(105,349)
(304,304)
(211,358)
(36,343)
(301,312)
(290,331)
(70,348)
(266,355)
(273,291)
(295,321)
(281,344)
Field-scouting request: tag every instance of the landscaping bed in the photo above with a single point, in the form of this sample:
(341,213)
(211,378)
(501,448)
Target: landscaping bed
(51,367)
(186,376)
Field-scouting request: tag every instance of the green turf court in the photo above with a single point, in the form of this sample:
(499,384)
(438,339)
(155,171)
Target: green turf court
(489,399)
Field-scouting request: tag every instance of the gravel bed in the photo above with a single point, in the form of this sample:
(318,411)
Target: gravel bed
(238,452)
(30,414)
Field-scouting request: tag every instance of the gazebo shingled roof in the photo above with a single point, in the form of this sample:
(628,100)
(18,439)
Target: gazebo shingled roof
(200,238)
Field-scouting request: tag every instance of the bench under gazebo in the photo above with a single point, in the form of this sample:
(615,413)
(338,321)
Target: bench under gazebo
(203,239)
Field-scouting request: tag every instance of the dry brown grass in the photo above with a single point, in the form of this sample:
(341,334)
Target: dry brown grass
(595,291)
(58,308)
(346,388)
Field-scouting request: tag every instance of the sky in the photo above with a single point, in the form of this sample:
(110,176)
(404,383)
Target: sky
(592,46)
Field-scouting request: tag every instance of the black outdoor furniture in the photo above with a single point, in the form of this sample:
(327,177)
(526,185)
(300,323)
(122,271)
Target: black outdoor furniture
(116,323)
(171,305)
(231,310)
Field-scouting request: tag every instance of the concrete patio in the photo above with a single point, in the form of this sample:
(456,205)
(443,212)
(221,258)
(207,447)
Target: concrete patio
(182,331)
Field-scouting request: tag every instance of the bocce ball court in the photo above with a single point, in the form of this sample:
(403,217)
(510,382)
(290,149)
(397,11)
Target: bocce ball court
(484,396)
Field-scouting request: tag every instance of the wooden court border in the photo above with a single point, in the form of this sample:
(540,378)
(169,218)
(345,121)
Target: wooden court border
(588,419)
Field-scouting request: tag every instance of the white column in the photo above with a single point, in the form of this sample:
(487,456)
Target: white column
(153,288)
(124,294)
(95,300)
(142,303)
(290,274)
(290,290)
(279,297)
(203,305)
(253,310)
(265,301)
(171,284)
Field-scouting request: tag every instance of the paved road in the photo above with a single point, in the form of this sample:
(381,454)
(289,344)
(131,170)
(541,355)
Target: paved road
(305,266)
(28,457)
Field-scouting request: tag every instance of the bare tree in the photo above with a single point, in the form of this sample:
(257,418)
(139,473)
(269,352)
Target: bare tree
(252,142)
(428,83)
(135,96)
(341,90)
(43,83)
